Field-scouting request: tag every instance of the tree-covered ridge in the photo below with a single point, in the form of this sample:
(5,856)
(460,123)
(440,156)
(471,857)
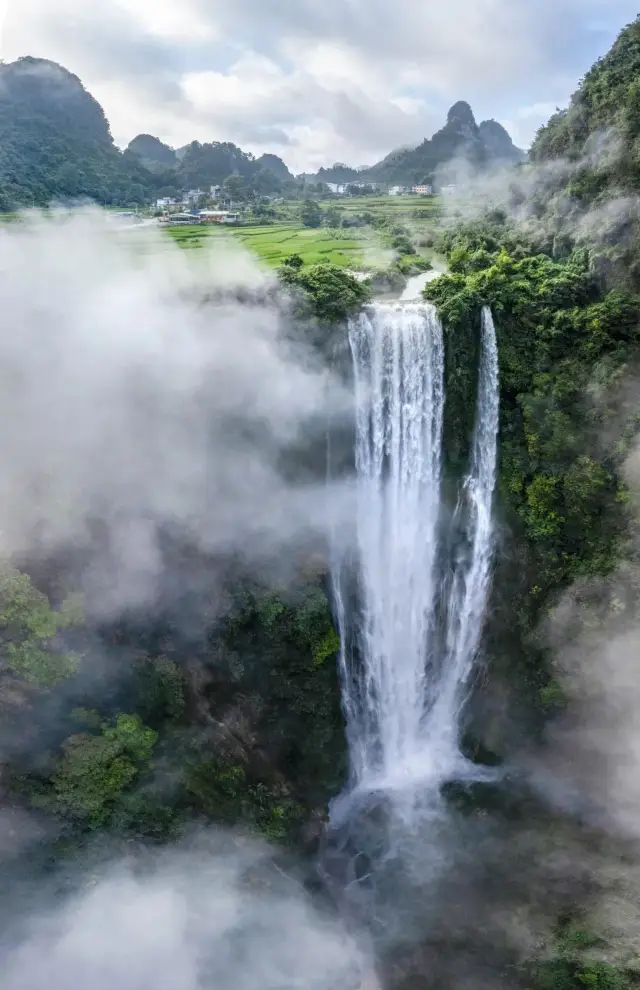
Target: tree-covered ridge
(608,97)
(55,142)
(152,152)
(202,165)
(461,138)
(566,344)
(559,335)
(581,187)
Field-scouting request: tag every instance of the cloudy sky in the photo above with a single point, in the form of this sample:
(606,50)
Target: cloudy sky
(316,81)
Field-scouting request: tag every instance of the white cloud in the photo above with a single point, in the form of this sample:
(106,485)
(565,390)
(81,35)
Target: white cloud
(167,19)
(312,82)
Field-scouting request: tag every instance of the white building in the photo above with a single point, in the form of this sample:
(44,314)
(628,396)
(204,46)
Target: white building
(192,195)
(219,216)
(424,190)
(398,190)
(448,190)
(161,204)
(337,188)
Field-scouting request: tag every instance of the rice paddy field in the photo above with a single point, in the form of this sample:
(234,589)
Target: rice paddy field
(400,207)
(354,247)
(275,242)
(351,247)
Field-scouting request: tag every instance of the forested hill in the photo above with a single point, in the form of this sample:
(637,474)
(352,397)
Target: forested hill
(608,97)
(581,187)
(55,144)
(460,138)
(55,141)
(152,152)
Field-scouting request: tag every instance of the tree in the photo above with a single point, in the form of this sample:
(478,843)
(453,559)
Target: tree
(29,630)
(235,188)
(95,770)
(311,213)
(265,183)
(333,217)
(294,261)
(332,293)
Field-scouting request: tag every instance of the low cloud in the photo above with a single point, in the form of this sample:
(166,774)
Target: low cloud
(218,914)
(129,403)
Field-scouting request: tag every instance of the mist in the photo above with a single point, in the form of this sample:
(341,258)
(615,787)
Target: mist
(535,196)
(147,391)
(215,912)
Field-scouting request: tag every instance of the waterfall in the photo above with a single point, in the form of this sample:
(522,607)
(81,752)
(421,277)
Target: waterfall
(472,571)
(416,635)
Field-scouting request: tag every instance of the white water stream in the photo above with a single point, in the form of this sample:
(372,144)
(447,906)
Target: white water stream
(419,620)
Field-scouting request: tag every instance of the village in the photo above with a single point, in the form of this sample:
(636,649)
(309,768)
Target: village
(217,208)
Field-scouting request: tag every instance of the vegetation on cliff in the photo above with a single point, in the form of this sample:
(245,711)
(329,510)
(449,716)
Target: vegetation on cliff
(558,267)
(241,726)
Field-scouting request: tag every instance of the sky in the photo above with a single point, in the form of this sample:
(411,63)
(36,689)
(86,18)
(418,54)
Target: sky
(316,82)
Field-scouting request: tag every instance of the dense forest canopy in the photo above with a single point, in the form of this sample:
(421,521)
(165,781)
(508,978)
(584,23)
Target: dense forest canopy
(55,142)
(152,152)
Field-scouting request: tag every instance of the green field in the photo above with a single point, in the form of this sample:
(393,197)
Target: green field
(275,242)
(425,207)
(350,247)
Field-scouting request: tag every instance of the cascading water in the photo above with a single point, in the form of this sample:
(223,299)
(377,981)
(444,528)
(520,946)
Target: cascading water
(417,636)
(399,365)
(472,572)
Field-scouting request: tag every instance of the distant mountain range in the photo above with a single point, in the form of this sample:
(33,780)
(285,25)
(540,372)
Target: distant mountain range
(55,144)
(460,142)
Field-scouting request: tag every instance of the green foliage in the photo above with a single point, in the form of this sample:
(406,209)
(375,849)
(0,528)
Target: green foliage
(460,137)
(568,974)
(412,264)
(327,647)
(333,217)
(218,162)
(294,261)
(55,145)
(55,142)
(557,334)
(285,646)
(235,188)
(94,771)
(160,690)
(311,213)
(152,153)
(332,294)
(598,135)
(608,97)
(29,631)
